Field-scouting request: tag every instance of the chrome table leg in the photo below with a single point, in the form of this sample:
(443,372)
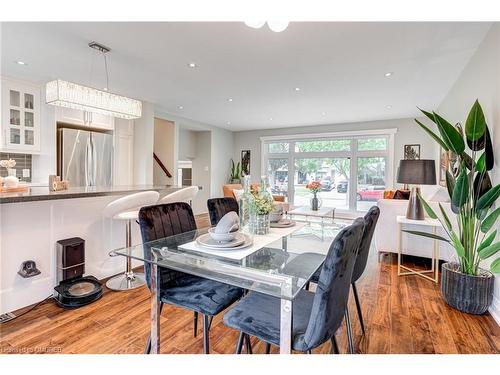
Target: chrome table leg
(286,327)
(155,306)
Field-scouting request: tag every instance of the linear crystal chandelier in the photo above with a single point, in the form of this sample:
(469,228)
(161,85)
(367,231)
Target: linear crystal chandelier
(72,95)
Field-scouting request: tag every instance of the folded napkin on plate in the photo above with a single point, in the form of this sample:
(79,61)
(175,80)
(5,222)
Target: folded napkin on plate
(227,222)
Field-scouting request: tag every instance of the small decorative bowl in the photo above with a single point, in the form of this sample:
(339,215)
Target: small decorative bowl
(222,237)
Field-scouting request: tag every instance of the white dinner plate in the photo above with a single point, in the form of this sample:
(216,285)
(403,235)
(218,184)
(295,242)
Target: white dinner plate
(241,241)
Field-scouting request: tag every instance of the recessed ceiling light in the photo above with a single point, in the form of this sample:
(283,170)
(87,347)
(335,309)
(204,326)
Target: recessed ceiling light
(105,89)
(270,119)
(19,62)
(297,89)
(388,106)
(323,113)
(228,123)
(230,99)
(192,65)
(388,74)
(180,107)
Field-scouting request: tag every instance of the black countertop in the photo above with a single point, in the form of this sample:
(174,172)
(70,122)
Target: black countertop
(37,193)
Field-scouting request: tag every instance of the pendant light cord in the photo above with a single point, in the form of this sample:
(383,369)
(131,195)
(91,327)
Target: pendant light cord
(106,68)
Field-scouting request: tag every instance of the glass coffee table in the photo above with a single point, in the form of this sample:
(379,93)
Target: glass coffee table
(325,217)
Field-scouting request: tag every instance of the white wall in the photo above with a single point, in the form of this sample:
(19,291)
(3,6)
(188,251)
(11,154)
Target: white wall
(187,144)
(480,79)
(221,148)
(44,164)
(143,146)
(408,133)
(201,170)
(164,148)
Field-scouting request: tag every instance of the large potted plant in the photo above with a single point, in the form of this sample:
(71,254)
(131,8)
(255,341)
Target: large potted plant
(465,285)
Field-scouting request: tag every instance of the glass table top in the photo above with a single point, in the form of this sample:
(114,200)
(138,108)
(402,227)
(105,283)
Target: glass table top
(271,269)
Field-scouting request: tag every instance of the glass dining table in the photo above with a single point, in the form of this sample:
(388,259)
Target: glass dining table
(268,267)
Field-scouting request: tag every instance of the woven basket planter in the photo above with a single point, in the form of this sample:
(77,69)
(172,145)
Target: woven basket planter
(469,294)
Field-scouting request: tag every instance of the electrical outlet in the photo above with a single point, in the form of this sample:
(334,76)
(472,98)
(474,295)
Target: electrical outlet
(4,318)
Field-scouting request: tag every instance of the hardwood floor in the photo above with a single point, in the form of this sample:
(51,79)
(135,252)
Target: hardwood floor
(402,315)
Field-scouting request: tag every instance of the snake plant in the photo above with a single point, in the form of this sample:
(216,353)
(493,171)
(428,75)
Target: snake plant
(235,171)
(470,189)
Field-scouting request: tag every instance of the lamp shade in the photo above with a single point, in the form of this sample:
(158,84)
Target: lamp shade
(417,172)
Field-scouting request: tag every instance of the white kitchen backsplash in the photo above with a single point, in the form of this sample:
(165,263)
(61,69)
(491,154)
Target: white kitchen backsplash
(23,165)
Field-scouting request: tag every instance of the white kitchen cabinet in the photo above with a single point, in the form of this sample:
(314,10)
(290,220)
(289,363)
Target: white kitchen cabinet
(20,129)
(84,118)
(123,152)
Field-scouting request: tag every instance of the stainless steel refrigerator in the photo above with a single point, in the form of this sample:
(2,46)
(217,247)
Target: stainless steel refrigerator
(85,158)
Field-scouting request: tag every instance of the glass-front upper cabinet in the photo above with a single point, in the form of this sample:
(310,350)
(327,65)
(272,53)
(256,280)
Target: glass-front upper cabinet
(20,117)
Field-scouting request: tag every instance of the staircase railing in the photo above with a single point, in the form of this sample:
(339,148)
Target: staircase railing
(162,166)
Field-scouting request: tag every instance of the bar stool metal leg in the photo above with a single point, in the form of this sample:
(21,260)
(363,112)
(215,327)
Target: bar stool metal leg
(129,279)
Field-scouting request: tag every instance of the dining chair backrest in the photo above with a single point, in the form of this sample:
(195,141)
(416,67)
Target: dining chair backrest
(183,195)
(160,221)
(371,219)
(218,207)
(332,292)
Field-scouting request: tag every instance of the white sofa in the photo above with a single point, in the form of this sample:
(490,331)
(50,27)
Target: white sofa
(386,231)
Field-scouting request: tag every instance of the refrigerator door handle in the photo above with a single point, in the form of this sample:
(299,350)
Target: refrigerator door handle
(86,163)
(94,160)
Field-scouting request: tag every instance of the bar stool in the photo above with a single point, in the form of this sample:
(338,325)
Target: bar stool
(183,195)
(127,209)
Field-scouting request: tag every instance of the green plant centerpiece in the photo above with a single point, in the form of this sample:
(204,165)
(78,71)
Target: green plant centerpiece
(260,207)
(235,172)
(465,285)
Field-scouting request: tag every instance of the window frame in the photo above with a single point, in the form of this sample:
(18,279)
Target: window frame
(353,154)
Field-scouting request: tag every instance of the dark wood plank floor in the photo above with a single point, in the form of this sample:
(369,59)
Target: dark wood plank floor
(402,315)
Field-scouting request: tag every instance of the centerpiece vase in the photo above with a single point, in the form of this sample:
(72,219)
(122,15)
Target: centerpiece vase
(261,207)
(245,203)
(315,202)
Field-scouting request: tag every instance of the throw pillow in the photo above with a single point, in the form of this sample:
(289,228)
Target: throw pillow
(402,194)
(237,194)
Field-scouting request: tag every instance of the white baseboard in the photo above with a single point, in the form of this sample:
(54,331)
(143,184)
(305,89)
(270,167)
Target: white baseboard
(495,309)
(34,291)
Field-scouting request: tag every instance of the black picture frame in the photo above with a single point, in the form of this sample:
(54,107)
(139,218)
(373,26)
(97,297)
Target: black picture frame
(411,152)
(245,162)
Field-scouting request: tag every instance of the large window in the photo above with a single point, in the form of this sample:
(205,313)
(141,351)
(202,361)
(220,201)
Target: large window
(353,168)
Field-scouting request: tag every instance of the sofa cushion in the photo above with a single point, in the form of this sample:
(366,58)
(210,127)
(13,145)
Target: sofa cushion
(440,195)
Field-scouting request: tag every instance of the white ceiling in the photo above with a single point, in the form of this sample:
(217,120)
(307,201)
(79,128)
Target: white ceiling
(339,67)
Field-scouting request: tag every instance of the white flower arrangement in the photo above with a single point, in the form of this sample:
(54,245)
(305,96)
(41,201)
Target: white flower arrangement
(11,163)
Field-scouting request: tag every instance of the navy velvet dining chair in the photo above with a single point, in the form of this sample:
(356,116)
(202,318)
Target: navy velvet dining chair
(315,316)
(218,207)
(203,296)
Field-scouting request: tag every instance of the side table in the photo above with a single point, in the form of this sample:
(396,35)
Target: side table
(434,271)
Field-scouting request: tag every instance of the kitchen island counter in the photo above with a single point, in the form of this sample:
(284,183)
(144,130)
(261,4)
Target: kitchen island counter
(39,193)
(31,223)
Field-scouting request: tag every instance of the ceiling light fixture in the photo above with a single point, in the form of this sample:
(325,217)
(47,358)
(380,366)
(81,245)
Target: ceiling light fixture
(72,95)
(19,62)
(323,113)
(276,26)
(229,122)
(255,24)
(270,119)
(388,106)
(388,74)
(297,89)
(230,100)
(180,107)
(192,65)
